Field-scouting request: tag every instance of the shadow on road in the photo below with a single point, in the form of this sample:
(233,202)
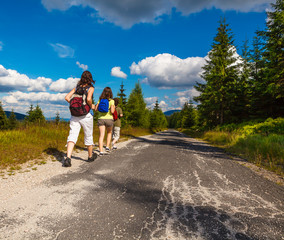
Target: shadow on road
(177,140)
(173,217)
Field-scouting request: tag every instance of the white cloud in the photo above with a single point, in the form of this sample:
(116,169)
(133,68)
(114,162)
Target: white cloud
(12,80)
(168,71)
(63,51)
(116,72)
(150,100)
(1,46)
(126,13)
(64,85)
(34,97)
(190,93)
(83,66)
(166,97)
(164,106)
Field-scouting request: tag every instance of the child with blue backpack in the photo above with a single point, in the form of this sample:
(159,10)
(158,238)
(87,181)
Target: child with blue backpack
(105,107)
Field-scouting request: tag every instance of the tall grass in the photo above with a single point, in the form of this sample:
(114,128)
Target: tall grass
(30,142)
(259,142)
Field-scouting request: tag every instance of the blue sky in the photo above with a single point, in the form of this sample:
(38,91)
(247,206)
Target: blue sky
(45,45)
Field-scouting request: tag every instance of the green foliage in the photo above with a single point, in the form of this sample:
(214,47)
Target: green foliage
(218,96)
(259,142)
(122,104)
(186,118)
(35,115)
(57,118)
(137,114)
(3,118)
(267,127)
(12,121)
(158,119)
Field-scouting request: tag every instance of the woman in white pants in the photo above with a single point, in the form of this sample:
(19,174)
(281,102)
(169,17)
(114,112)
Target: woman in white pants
(86,121)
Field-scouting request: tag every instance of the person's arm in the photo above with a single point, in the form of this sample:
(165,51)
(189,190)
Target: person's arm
(90,96)
(120,114)
(112,108)
(96,107)
(69,95)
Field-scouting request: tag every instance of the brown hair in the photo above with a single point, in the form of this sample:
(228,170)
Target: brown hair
(86,79)
(106,94)
(116,101)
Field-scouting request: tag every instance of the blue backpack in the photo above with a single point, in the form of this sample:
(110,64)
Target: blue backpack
(103,106)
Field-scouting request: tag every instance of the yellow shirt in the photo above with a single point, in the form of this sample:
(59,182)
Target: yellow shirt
(107,115)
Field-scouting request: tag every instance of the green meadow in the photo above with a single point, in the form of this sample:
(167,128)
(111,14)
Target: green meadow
(261,143)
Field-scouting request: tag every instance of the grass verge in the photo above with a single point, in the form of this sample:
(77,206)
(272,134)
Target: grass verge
(30,142)
(263,148)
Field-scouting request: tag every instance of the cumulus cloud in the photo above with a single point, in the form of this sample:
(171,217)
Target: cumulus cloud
(63,51)
(33,97)
(168,71)
(190,93)
(63,85)
(1,46)
(82,66)
(126,13)
(12,80)
(116,72)
(150,100)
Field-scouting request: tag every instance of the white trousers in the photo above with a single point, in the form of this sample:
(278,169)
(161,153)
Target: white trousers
(87,124)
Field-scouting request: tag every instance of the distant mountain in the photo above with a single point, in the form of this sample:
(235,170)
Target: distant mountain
(170,112)
(19,116)
(61,119)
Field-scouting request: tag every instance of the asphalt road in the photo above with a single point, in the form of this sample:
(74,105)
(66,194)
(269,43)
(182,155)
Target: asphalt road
(165,186)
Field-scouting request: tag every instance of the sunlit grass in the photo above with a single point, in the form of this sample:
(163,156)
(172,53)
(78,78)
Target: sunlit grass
(31,142)
(264,150)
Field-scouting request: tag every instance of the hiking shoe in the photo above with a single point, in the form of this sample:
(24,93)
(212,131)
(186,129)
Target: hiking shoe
(114,147)
(101,154)
(66,162)
(107,149)
(92,158)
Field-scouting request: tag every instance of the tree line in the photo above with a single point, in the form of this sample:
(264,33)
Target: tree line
(240,88)
(135,113)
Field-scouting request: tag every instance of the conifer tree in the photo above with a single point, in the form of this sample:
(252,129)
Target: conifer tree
(35,115)
(122,96)
(39,117)
(218,94)
(3,118)
(138,115)
(274,59)
(244,88)
(12,120)
(57,118)
(122,104)
(188,115)
(158,119)
(258,98)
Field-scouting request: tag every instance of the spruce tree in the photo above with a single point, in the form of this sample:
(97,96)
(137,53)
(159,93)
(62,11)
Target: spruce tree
(187,115)
(12,120)
(158,120)
(258,97)
(39,117)
(3,118)
(244,88)
(122,96)
(57,118)
(274,59)
(218,94)
(35,115)
(122,104)
(138,115)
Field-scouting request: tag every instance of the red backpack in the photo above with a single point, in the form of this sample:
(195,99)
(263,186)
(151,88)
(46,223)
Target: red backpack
(115,117)
(78,103)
